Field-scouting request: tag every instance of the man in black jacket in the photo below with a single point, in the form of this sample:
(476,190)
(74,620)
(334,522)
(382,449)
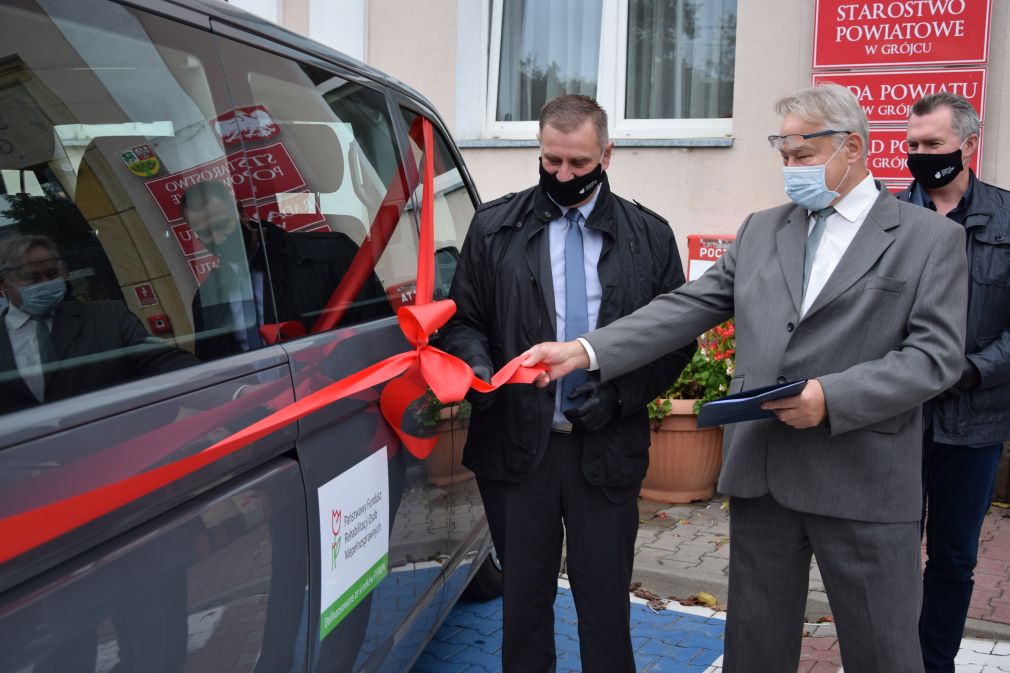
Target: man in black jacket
(235,299)
(965,426)
(565,255)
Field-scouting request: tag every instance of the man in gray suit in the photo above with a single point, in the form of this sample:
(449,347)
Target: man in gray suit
(861,295)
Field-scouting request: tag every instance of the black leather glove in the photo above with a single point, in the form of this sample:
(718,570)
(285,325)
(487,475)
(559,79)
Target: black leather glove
(971,378)
(481,400)
(601,407)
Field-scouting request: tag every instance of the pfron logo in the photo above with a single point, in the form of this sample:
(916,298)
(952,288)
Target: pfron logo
(944,172)
(336,519)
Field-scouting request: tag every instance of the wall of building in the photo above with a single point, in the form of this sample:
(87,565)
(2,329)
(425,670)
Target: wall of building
(700,190)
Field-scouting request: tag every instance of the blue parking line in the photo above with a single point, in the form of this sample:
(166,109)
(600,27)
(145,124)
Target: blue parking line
(667,641)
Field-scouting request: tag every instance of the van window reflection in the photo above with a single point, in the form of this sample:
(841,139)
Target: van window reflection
(53,346)
(305,269)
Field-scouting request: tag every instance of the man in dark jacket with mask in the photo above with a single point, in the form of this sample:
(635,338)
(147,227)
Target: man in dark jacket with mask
(966,425)
(562,462)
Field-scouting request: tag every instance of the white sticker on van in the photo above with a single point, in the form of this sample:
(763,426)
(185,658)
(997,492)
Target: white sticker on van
(354,553)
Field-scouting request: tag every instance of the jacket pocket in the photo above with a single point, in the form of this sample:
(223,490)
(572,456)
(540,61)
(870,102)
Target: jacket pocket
(888,426)
(990,262)
(736,385)
(996,398)
(885,283)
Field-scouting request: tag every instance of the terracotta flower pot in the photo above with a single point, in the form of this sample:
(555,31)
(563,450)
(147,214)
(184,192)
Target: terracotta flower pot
(684,461)
(445,463)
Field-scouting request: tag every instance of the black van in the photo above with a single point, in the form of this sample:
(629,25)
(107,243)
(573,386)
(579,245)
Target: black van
(205,218)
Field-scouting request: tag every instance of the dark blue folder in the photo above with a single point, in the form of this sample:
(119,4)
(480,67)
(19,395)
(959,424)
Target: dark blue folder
(746,404)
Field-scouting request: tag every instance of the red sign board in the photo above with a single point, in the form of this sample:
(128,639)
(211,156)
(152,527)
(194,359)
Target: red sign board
(888,160)
(856,33)
(251,123)
(290,211)
(145,294)
(402,294)
(703,251)
(888,96)
(268,170)
(187,240)
(202,266)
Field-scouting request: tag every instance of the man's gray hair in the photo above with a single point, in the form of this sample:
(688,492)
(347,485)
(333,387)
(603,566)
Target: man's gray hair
(964,117)
(14,248)
(832,105)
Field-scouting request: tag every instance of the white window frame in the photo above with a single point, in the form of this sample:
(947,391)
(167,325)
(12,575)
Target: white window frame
(610,92)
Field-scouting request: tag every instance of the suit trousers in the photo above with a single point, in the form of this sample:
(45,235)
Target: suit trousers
(871,572)
(957,487)
(529,520)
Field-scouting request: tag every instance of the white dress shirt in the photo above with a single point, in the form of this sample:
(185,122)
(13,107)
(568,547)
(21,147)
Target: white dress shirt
(25,344)
(841,227)
(592,248)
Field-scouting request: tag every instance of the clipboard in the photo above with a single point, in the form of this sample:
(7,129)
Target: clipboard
(746,404)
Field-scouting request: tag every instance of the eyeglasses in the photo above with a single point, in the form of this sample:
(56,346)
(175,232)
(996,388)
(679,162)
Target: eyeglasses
(794,139)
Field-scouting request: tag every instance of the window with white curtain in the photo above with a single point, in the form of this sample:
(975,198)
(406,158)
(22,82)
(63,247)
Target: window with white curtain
(661,68)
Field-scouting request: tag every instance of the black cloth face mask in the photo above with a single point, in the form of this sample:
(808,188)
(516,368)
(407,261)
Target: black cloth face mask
(933,171)
(575,190)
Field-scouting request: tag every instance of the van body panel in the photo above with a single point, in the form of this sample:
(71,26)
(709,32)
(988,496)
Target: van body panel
(122,108)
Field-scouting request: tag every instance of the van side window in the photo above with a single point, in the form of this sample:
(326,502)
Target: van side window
(332,217)
(109,117)
(453,206)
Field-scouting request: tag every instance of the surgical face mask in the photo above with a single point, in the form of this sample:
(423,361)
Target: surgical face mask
(933,171)
(576,190)
(806,186)
(41,299)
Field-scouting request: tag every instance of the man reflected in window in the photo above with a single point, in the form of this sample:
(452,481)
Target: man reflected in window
(54,347)
(304,271)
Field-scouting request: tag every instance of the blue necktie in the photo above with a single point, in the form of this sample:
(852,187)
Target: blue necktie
(814,241)
(576,304)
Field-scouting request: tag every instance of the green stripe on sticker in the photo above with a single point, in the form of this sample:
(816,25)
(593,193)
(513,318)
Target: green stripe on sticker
(349,600)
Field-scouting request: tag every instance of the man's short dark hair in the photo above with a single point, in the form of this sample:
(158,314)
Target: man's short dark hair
(568,112)
(200,194)
(964,117)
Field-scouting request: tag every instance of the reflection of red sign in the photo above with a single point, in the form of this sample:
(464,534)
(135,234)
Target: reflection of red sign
(888,96)
(900,32)
(318,227)
(703,251)
(291,212)
(202,266)
(145,294)
(888,158)
(262,171)
(250,123)
(188,241)
(402,294)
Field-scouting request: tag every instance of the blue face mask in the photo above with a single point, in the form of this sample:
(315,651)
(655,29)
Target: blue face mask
(41,299)
(805,185)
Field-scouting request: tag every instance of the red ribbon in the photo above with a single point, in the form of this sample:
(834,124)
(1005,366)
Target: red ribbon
(409,375)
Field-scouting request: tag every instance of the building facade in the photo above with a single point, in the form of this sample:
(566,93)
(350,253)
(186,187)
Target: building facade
(690,85)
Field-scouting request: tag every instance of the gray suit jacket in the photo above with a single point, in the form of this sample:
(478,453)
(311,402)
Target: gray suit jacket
(885,334)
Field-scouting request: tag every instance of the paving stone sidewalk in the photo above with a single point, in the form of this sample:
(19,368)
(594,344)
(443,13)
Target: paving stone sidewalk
(674,639)
(684,549)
